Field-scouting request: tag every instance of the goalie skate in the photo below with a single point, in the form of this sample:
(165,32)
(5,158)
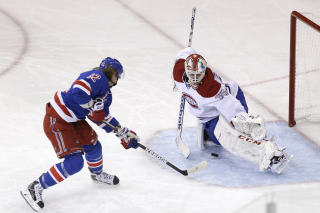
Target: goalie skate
(33,196)
(279,161)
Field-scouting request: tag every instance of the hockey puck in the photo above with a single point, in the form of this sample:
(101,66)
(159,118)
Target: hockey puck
(214,154)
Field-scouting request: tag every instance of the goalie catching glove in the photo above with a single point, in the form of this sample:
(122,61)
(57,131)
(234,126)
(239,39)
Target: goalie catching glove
(250,125)
(129,139)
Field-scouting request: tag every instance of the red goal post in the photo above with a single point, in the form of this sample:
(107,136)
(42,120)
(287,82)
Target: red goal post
(304,77)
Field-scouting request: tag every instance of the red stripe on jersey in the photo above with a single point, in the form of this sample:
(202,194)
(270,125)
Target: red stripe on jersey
(108,119)
(83,85)
(209,86)
(95,164)
(56,174)
(178,70)
(62,107)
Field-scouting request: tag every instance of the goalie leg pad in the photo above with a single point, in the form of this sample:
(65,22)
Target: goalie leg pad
(200,135)
(260,152)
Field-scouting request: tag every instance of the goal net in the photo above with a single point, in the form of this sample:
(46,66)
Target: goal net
(304,91)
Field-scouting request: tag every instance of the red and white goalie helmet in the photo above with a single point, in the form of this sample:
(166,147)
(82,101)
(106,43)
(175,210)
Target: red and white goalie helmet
(195,66)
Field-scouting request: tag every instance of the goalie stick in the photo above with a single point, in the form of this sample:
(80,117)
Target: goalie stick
(181,145)
(187,172)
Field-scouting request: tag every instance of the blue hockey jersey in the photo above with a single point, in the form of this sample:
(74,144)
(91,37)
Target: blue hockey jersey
(72,105)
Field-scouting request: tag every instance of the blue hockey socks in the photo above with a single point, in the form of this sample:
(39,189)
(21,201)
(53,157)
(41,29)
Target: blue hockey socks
(72,164)
(93,155)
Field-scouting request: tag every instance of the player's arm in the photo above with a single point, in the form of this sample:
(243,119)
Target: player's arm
(128,138)
(82,90)
(183,54)
(178,69)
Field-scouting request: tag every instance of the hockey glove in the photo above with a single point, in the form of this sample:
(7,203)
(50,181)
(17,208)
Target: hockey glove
(97,112)
(253,126)
(129,139)
(133,143)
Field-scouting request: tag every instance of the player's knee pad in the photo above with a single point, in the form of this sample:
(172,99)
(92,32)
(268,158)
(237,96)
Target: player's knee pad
(73,163)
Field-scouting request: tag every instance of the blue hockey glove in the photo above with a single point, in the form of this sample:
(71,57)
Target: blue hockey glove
(128,138)
(133,143)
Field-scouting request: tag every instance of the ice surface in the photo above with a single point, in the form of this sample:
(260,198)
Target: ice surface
(228,170)
(44,45)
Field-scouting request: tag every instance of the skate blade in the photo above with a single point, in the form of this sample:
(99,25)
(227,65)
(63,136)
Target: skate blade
(287,160)
(27,197)
(102,183)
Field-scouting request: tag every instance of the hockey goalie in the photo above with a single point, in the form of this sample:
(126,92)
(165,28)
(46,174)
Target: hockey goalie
(222,113)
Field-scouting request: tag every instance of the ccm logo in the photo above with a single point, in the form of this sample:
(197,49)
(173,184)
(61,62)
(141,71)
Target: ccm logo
(250,140)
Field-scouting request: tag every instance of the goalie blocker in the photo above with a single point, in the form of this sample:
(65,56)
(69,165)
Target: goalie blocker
(263,152)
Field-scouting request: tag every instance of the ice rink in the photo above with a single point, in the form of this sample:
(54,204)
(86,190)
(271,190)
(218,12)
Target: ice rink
(44,45)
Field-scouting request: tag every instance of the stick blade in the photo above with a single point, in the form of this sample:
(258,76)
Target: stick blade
(184,149)
(197,167)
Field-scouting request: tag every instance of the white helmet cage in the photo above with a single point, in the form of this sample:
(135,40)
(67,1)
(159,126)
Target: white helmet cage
(195,66)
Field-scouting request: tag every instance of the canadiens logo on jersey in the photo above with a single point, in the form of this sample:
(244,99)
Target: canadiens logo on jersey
(191,100)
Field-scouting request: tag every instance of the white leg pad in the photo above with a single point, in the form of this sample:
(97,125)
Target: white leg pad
(238,143)
(200,135)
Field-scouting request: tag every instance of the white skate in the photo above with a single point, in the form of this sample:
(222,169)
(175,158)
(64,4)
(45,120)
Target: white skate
(105,178)
(279,161)
(33,195)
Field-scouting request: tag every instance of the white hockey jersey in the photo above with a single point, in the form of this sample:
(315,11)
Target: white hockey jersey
(212,98)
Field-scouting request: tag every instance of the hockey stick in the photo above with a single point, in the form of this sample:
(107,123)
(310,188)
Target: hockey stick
(181,145)
(187,172)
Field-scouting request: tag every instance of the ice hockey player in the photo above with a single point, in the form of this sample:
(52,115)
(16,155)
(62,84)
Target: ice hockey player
(71,135)
(222,110)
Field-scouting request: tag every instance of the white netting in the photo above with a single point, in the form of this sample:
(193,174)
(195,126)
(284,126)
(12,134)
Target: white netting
(307,91)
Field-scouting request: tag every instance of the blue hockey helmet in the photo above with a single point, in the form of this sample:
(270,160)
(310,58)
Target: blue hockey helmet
(112,62)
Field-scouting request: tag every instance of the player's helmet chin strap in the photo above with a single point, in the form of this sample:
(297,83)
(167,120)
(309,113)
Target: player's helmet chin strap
(114,83)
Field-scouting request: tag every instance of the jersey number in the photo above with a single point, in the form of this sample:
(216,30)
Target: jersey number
(94,77)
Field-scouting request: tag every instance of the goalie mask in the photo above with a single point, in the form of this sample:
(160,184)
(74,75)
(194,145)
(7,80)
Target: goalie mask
(195,66)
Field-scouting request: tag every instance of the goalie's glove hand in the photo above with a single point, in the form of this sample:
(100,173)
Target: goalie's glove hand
(253,126)
(129,139)
(97,112)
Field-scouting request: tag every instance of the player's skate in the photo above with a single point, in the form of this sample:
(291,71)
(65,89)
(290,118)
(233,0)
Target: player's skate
(33,195)
(279,161)
(105,178)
